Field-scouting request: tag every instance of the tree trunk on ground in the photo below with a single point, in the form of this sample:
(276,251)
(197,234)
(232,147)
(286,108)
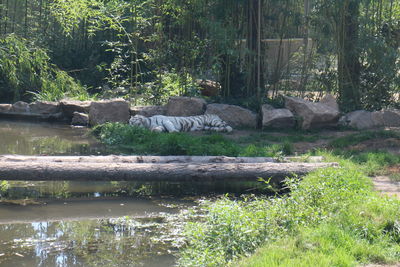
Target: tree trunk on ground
(110,171)
(152,159)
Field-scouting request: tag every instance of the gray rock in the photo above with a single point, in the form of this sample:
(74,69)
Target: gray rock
(148,111)
(330,101)
(277,118)
(361,119)
(116,110)
(80,119)
(313,115)
(185,106)
(44,107)
(391,117)
(267,107)
(20,107)
(5,107)
(68,107)
(235,116)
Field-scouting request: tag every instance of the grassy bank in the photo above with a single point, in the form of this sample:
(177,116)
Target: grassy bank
(332,217)
(135,140)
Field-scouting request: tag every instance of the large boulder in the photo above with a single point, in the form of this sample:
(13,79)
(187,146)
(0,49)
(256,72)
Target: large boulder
(391,117)
(44,107)
(20,107)
(362,119)
(277,118)
(80,119)
(330,101)
(185,106)
(148,111)
(68,107)
(5,107)
(235,116)
(312,115)
(116,110)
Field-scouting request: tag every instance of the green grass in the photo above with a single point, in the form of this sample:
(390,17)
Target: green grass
(281,137)
(129,139)
(356,138)
(370,163)
(332,217)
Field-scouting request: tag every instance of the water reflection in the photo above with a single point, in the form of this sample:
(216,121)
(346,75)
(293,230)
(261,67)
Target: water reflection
(147,238)
(106,242)
(71,223)
(27,138)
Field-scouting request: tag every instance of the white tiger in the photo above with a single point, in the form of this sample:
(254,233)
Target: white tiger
(159,123)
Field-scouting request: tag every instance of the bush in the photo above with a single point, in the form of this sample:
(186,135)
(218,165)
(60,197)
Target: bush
(26,73)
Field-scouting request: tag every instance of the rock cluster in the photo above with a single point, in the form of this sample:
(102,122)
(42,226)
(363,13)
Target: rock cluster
(361,119)
(306,114)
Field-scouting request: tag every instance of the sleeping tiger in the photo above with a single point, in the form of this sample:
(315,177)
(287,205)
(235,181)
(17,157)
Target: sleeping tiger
(159,123)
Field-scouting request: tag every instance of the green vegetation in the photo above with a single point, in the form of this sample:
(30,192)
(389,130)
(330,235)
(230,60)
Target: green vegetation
(332,217)
(287,136)
(27,73)
(142,141)
(148,50)
(352,139)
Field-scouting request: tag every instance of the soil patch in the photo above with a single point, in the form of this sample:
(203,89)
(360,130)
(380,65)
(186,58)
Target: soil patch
(386,186)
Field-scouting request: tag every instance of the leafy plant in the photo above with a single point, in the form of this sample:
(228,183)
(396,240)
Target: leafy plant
(330,210)
(26,72)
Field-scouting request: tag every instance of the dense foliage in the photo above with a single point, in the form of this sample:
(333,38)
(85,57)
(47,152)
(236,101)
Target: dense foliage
(26,72)
(147,50)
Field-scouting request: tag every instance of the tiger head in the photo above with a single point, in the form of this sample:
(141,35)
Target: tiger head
(138,120)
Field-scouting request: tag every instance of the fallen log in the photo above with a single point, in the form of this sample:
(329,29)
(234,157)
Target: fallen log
(110,171)
(151,159)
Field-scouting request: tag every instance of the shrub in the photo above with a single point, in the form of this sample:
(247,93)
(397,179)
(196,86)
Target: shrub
(26,72)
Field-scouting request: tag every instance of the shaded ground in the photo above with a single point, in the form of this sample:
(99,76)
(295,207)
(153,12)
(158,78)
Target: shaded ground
(303,142)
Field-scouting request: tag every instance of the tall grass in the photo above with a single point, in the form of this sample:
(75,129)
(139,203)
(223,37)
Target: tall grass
(332,217)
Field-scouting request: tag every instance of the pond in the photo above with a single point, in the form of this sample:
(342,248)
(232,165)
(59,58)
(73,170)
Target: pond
(25,138)
(90,223)
(74,224)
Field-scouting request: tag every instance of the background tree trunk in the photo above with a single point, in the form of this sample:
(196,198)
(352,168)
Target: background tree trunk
(348,56)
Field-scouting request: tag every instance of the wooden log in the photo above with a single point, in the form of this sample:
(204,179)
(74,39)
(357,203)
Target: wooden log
(51,170)
(151,159)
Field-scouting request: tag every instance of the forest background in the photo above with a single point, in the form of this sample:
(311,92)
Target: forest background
(148,50)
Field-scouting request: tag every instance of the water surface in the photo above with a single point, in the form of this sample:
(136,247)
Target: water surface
(40,138)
